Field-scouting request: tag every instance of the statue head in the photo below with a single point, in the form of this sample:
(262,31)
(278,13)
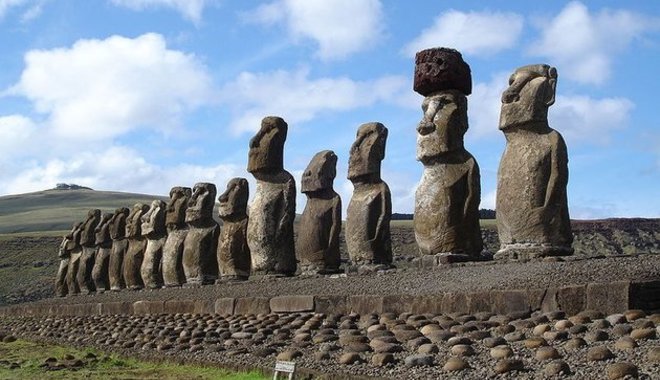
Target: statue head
(233,202)
(266,153)
(200,205)
(177,205)
(320,173)
(134,220)
(443,125)
(118,223)
(73,237)
(367,152)
(87,237)
(153,221)
(102,232)
(530,93)
(440,69)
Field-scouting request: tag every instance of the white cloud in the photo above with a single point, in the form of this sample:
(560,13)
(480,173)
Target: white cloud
(580,117)
(484,106)
(475,33)
(583,45)
(339,27)
(115,168)
(5,5)
(100,89)
(15,134)
(189,9)
(297,98)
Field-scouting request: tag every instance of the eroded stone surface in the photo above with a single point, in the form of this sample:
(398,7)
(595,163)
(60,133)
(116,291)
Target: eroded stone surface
(317,246)
(177,229)
(136,246)
(447,199)
(64,253)
(103,243)
(272,212)
(532,206)
(370,208)
(200,264)
(119,248)
(88,244)
(233,251)
(153,229)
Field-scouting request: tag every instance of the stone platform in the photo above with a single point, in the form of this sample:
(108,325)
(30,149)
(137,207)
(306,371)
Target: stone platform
(609,285)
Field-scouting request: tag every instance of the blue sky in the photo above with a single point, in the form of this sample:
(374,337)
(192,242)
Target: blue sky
(142,95)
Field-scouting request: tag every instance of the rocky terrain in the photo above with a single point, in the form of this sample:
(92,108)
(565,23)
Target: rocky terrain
(406,346)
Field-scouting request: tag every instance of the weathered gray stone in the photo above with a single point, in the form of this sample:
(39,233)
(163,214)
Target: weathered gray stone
(291,304)
(119,248)
(439,69)
(103,243)
(610,297)
(317,246)
(64,253)
(136,246)
(88,244)
(177,229)
(233,251)
(532,206)
(370,209)
(200,262)
(252,305)
(153,229)
(225,306)
(447,199)
(273,209)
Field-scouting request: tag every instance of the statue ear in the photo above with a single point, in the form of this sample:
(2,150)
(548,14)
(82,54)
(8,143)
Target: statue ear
(551,88)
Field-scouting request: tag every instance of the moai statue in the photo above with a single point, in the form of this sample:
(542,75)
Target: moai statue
(177,229)
(447,200)
(153,229)
(64,253)
(200,263)
(103,243)
(273,209)
(88,243)
(119,248)
(370,209)
(317,245)
(136,246)
(75,251)
(233,251)
(532,206)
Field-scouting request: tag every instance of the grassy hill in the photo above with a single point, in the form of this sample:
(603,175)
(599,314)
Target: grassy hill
(56,210)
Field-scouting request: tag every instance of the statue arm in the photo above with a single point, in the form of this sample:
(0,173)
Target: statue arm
(558,173)
(385,211)
(474,190)
(289,205)
(335,230)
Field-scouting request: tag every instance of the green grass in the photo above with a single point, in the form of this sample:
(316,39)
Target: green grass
(30,356)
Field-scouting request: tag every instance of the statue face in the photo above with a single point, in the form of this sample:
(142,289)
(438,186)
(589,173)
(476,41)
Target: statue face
(443,125)
(118,224)
(134,220)
(320,173)
(200,206)
(233,202)
(93,217)
(103,228)
(153,221)
(530,93)
(266,153)
(367,151)
(176,208)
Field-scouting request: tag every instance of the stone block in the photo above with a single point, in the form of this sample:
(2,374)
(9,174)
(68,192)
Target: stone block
(291,304)
(427,304)
(179,307)
(204,307)
(148,307)
(645,295)
(252,305)
(225,306)
(509,301)
(116,308)
(572,299)
(331,304)
(609,297)
(544,300)
(365,304)
(454,303)
(398,304)
(479,301)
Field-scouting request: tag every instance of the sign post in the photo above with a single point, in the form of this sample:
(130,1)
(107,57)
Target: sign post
(284,367)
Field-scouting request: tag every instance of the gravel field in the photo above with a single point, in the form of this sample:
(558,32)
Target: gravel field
(449,278)
(480,346)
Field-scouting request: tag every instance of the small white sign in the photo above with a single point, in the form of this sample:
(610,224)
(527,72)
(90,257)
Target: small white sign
(287,367)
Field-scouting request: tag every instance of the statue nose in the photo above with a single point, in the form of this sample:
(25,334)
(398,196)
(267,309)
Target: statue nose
(425,127)
(509,96)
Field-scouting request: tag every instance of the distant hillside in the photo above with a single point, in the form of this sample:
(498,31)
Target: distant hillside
(57,209)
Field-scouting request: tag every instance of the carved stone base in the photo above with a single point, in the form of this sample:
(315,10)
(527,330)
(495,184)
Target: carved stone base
(529,251)
(231,278)
(313,270)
